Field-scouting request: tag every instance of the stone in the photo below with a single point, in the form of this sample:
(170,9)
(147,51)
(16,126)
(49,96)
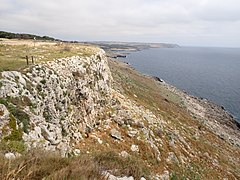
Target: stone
(99,141)
(109,176)
(76,152)
(132,133)
(10,156)
(4,113)
(172,158)
(165,175)
(116,134)
(172,142)
(134,148)
(124,154)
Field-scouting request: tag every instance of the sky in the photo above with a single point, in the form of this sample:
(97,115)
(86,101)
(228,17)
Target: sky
(184,22)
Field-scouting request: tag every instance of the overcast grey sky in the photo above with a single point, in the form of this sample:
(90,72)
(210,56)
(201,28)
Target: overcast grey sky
(185,22)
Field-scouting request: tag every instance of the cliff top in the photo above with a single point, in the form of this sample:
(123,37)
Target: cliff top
(13,52)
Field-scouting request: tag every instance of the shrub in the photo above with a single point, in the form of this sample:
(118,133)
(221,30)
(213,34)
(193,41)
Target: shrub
(66,48)
(21,117)
(16,134)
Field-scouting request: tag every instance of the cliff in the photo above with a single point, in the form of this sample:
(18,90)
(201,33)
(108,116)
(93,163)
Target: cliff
(53,105)
(112,121)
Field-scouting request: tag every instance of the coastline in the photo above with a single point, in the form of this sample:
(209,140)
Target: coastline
(211,115)
(214,116)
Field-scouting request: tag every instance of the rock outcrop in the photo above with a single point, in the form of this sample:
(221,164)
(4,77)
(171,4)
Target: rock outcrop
(55,104)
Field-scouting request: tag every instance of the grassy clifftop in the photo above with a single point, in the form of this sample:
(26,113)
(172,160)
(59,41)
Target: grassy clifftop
(13,52)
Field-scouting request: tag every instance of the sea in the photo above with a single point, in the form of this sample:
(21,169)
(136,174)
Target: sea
(207,72)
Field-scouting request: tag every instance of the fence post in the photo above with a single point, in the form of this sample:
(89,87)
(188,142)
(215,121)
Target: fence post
(32,60)
(27,59)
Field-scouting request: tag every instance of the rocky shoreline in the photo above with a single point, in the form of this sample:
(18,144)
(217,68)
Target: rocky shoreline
(214,116)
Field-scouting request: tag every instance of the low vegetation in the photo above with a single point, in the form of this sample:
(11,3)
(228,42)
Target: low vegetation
(14,105)
(13,52)
(38,164)
(154,96)
(9,35)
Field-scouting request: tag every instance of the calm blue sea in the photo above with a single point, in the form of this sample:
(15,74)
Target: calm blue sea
(212,73)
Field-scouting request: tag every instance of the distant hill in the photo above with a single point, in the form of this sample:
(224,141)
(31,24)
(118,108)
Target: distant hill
(9,35)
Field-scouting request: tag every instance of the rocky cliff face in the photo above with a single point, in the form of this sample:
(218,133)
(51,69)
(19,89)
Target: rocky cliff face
(53,105)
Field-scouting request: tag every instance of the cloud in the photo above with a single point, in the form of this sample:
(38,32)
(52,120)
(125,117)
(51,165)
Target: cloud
(187,22)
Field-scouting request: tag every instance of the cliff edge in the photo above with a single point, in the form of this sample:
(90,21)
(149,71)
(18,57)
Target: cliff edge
(54,104)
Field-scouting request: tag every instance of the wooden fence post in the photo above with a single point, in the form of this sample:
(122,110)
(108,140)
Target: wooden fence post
(32,60)
(27,60)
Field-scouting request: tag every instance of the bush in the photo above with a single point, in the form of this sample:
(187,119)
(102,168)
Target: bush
(16,134)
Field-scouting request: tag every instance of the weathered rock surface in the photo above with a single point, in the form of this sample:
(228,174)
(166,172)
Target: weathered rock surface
(63,100)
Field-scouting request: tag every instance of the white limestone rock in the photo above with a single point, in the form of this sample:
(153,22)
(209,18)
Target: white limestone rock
(65,97)
(134,148)
(10,155)
(116,134)
(124,154)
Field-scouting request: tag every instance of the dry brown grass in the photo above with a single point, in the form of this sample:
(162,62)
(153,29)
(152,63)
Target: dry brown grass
(48,165)
(40,164)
